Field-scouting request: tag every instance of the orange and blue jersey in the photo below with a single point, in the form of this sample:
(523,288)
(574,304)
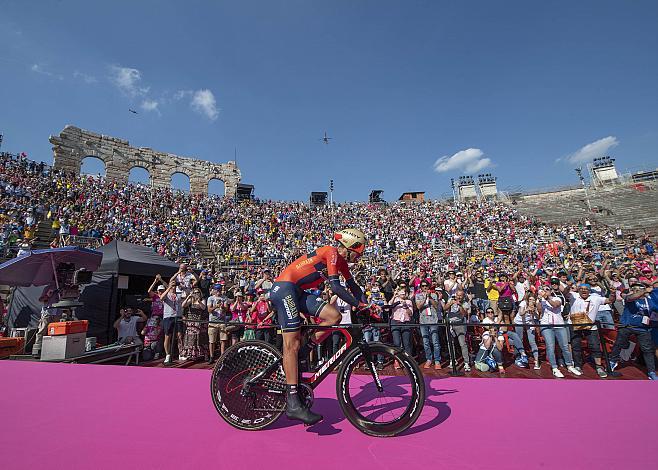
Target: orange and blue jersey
(310,270)
(292,290)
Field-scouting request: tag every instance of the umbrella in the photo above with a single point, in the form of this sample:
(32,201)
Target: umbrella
(37,268)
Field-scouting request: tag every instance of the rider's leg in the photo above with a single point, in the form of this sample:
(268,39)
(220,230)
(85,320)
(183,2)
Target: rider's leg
(291,341)
(328,316)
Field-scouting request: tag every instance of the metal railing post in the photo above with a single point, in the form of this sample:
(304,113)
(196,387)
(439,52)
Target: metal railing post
(451,346)
(604,350)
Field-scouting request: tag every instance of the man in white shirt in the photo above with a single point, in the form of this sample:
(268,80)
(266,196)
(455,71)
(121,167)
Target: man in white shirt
(586,301)
(126,325)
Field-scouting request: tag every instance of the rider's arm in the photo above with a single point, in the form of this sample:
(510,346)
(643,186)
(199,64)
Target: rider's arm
(337,265)
(343,293)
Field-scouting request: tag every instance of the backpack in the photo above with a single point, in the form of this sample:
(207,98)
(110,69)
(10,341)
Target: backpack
(505,304)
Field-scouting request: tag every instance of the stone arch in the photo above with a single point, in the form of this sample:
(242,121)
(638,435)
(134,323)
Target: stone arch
(178,179)
(216,187)
(91,165)
(139,174)
(73,144)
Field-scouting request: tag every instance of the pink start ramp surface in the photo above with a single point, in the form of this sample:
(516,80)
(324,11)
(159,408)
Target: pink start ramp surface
(107,417)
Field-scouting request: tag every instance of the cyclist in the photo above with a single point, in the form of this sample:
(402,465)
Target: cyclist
(289,296)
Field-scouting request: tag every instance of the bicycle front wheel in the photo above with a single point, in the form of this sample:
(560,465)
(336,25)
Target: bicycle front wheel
(243,405)
(388,411)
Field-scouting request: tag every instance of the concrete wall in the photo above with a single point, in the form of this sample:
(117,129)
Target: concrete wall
(73,144)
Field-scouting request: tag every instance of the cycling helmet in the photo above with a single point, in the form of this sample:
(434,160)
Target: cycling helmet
(352,239)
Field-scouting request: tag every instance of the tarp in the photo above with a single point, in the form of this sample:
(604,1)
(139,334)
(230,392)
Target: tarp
(134,260)
(36,268)
(100,297)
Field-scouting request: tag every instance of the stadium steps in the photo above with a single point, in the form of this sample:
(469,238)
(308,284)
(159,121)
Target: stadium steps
(42,234)
(625,207)
(204,248)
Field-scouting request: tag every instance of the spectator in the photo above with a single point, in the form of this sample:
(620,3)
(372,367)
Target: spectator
(402,310)
(372,333)
(217,305)
(506,307)
(126,326)
(480,300)
(429,308)
(238,310)
(458,312)
(195,341)
(185,280)
(385,284)
(527,316)
(172,311)
(490,353)
(492,292)
(584,308)
(550,308)
(264,314)
(204,283)
(152,333)
(157,306)
(265,282)
(638,305)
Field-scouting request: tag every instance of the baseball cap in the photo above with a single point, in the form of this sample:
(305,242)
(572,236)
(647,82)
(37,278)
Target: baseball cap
(161,287)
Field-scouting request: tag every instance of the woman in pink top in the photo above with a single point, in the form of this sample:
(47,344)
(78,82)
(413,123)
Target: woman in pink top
(401,314)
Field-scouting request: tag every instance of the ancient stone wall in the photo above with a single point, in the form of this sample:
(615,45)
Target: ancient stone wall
(72,145)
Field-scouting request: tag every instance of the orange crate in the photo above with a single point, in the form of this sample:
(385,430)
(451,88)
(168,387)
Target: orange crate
(67,327)
(9,346)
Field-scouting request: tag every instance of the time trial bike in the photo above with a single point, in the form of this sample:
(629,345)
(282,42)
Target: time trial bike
(380,388)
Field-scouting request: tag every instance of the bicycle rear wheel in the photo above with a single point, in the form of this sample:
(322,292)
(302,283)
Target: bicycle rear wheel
(263,402)
(393,409)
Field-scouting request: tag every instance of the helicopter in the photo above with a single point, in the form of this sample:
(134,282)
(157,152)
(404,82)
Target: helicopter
(326,138)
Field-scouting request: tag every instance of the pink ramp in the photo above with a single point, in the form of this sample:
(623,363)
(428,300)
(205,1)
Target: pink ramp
(108,417)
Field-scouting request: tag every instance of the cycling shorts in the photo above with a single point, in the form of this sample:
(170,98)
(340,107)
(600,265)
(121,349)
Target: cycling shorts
(288,300)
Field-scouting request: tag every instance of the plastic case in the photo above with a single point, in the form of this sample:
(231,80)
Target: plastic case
(68,327)
(63,346)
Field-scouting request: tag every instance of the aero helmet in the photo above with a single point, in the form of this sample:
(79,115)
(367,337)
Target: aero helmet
(352,239)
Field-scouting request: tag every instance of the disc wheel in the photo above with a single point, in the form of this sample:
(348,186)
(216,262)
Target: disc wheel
(393,409)
(258,405)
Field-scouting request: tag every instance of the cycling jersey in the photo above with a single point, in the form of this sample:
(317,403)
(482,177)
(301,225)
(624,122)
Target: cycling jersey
(289,292)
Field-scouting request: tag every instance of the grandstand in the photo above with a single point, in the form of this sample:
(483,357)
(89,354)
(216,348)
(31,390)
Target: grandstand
(624,203)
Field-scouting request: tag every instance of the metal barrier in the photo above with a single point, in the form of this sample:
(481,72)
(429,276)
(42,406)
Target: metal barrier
(445,324)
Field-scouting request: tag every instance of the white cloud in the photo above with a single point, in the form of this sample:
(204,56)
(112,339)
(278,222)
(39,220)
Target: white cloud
(180,94)
(84,77)
(40,70)
(127,80)
(150,105)
(203,102)
(593,150)
(469,160)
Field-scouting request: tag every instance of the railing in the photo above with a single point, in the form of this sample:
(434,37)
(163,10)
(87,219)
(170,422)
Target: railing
(82,242)
(445,324)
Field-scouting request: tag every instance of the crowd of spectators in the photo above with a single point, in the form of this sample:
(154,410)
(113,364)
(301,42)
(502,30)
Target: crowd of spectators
(479,262)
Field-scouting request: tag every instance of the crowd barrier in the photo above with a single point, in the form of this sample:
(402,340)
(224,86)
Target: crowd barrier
(445,325)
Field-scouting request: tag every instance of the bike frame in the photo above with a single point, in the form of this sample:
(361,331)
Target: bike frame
(328,367)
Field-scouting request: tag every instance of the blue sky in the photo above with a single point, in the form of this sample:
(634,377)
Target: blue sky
(522,89)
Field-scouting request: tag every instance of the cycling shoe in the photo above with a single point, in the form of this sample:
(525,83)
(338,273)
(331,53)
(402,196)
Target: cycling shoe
(295,410)
(304,415)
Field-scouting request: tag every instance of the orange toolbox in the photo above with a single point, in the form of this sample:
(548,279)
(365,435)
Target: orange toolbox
(9,346)
(68,327)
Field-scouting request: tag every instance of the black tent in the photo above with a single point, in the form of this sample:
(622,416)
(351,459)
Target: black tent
(101,298)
